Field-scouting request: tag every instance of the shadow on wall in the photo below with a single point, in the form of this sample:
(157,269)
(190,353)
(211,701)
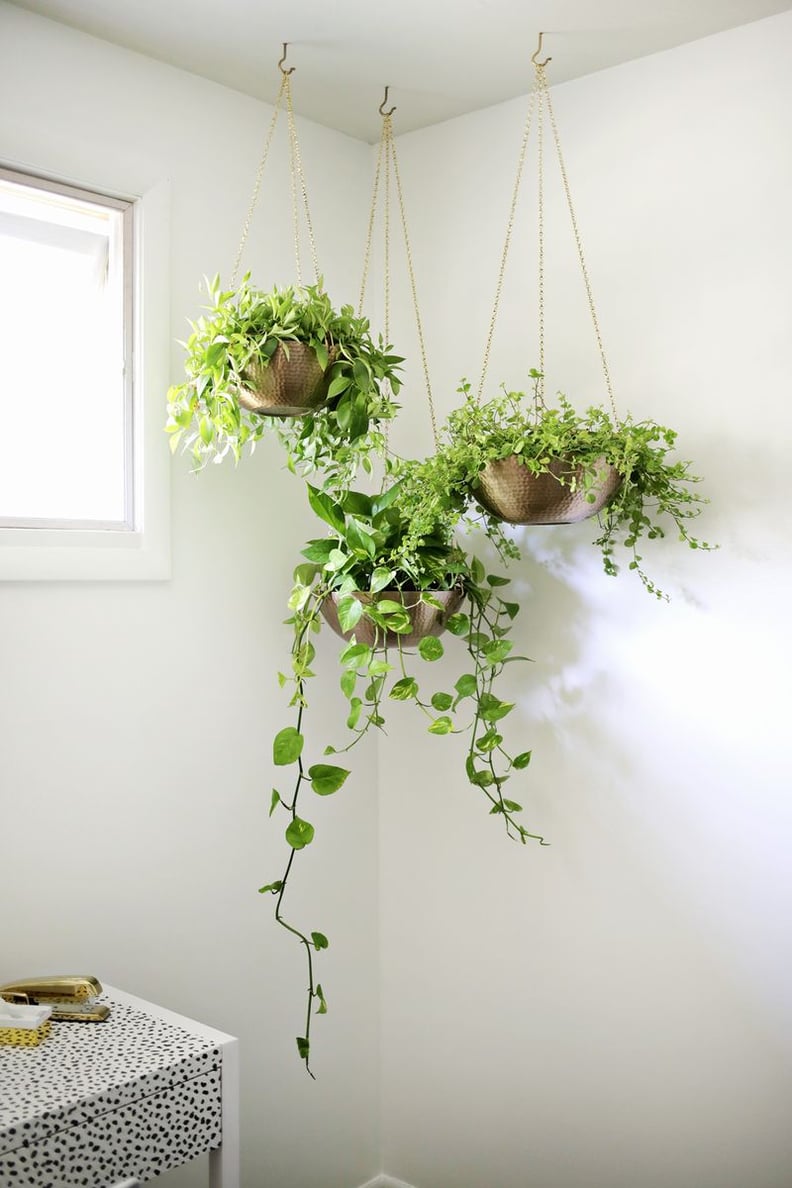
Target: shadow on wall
(658,728)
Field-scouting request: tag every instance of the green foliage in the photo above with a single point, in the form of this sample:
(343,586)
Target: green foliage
(287,746)
(379,552)
(326,779)
(243,328)
(655,489)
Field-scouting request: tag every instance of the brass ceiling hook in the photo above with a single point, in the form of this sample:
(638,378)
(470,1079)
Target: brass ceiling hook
(537,51)
(381,110)
(283,59)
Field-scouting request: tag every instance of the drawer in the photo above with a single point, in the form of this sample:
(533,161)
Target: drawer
(139,1140)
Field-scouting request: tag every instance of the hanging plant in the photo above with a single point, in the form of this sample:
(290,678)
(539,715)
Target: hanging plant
(524,462)
(257,353)
(389,578)
(284,360)
(561,466)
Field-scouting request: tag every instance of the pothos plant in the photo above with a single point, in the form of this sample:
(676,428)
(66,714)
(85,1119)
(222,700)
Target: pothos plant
(239,337)
(653,494)
(383,556)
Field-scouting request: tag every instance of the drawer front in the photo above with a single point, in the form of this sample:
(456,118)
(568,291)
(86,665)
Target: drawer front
(138,1140)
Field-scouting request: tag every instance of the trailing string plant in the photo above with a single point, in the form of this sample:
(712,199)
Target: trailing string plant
(389,578)
(284,360)
(236,360)
(621,471)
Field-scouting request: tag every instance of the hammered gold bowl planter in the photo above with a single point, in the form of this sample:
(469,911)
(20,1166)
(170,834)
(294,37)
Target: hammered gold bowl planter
(289,386)
(508,490)
(424,618)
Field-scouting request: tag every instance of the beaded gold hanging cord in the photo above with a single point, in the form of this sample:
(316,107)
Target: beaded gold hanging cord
(387,156)
(296,175)
(540,101)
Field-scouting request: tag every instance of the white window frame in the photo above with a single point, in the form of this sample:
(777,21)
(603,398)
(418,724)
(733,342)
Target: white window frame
(139,547)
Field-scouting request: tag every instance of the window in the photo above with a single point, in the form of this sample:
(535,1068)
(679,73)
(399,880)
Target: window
(66,447)
(83,376)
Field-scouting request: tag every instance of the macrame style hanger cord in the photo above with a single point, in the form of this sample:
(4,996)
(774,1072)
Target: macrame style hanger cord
(295,173)
(387,153)
(540,99)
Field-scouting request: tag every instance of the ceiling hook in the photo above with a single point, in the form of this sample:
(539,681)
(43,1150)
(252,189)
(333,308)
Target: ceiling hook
(382,105)
(283,59)
(536,53)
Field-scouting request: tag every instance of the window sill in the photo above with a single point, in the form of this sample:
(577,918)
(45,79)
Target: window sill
(57,555)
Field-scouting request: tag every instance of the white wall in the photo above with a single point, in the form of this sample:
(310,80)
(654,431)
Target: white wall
(614,1011)
(136,719)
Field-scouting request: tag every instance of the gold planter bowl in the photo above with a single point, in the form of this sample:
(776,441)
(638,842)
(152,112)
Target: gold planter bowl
(425,619)
(512,493)
(289,386)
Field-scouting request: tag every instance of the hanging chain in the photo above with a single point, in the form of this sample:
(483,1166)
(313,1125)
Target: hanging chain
(413,289)
(542,83)
(293,187)
(507,244)
(257,182)
(297,179)
(540,96)
(540,209)
(298,175)
(388,135)
(370,235)
(387,153)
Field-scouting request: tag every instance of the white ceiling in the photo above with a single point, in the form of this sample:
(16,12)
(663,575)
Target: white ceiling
(441,58)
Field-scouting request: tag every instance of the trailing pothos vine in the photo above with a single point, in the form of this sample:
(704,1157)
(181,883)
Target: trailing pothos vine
(369,577)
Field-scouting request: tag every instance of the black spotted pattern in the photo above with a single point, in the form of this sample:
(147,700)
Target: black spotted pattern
(99,1102)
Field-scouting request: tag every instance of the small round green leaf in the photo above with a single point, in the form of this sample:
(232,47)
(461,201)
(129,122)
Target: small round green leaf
(381,578)
(492,709)
(326,779)
(404,689)
(356,656)
(299,834)
(350,610)
(430,648)
(466,685)
(287,746)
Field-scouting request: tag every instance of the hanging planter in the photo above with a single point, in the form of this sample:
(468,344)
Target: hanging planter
(555,465)
(285,353)
(291,383)
(428,612)
(526,462)
(560,494)
(284,360)
(389,579)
